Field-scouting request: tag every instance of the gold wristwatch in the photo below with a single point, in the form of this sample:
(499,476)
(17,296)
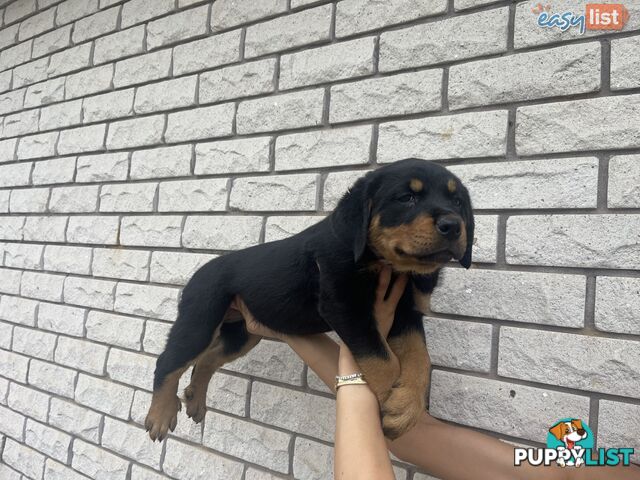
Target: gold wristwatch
(353,379)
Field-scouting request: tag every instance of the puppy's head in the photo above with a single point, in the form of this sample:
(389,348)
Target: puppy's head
(571,430)
(413,214)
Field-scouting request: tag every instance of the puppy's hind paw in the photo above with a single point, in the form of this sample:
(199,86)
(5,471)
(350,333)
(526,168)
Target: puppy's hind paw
(162,418)
(401,411)
(196,403)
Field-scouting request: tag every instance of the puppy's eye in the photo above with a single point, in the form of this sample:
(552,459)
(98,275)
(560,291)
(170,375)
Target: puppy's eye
(457,202)
(407,198)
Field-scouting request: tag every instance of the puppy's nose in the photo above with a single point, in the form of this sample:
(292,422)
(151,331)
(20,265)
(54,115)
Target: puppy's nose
(448,227)
(581,431)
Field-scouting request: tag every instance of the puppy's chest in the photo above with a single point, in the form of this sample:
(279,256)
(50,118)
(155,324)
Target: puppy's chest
(421,300)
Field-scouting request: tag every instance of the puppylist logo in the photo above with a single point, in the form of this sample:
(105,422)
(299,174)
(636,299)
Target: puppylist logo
(597,16)
(570,443)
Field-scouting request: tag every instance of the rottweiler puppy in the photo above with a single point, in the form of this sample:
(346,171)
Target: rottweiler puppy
(412,214)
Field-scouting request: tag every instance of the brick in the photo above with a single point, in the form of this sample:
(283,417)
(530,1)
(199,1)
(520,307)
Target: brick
(295,30)
(115,329)
(551,299)
(145,474)
(23,256)
(29,200)
(200,123)
(106,167)
(232,156)
(274,193)
(18,10)
(625,69)
(75,419)
(12,101)
(207,53)
(278,228)
(594,124)
(143,68)
(36,24)
(61,319)
(180,92)
(155,336)
(89,292)
(61,115)
(96,25)
(52,378)
(7,149)
(477,134)
(21,123)
(10,284)
(292,110)
(618,425)
(161,162)
(228,13)
(21,53)
(617,301)
(45,229)
(183,462)
(455,397)
(270,360)
(174,267)
(4,201)
(138,11)
(18,310)
(451,39)
(29,73)
(8,36)
(59,170)
(554,183)
(67,259)
(52,41)
(136,132)
(44,93)
(121,264)
(35,146)
(486,239)
(221,232)
(57,471)
(97,463)
(244,80)
(120,44)
(273,405)
(81,355)
(312,460)
(526,354)
(14,366)
(11,424)
(28,401)
(42,286)
(133,197)
(147,300)
(228,393)
(24,459)
(34,344)
(47,440)
(560,240)
(131,368)
(89,81)
(12,228)
(527,33)
(193,195)
(380,97)
(151,231)
(69,60)
(254,474)
(16,174)
(132,442)
(459,344)
(83,139)
(108,105)
(624,181)
(102,230)
(5,80)
(179,26)
(334,62)
(463,5)
(104,396)
(71,10)
(484,82)
(270,448)
(74,199)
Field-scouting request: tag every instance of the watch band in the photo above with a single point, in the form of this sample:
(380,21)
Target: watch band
(353,379)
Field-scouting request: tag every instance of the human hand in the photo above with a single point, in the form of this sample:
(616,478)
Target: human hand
(384,310)
(253,326)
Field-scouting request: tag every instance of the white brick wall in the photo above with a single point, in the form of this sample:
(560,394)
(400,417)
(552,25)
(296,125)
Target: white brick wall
(141,138)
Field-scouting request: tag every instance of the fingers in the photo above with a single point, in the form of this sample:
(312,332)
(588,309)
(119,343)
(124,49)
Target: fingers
(384,278)
(397,290)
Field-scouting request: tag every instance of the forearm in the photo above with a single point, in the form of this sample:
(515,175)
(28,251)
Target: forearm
(319,352)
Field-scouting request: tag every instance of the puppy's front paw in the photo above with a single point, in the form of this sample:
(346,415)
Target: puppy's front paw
(162,417)
(401,411)
(196,402)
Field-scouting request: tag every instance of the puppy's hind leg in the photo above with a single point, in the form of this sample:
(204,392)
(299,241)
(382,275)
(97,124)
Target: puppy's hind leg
(233,342)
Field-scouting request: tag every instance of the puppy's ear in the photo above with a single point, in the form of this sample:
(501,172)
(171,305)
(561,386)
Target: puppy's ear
(353,214)
(577,423)
(556,431)
(467,215)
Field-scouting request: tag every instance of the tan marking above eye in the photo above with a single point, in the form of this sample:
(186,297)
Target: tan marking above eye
(452,186)
(416,185)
